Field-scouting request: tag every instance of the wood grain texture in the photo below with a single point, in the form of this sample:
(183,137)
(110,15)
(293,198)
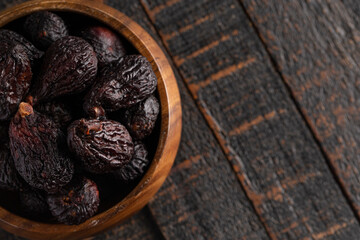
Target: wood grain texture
(201,199)
(8,236)
(9,3)
(140,226)
(170,124)
(353,7)
(317,51)
(244,100)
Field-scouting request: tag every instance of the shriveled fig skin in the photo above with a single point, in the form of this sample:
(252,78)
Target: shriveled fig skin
(38,148)
(76,202)
(106,44)
(44,28)
(101,145)
(32,52)
(15,78)
(140,119)
(9,177)
(136,167)
(122,84)
(69,67)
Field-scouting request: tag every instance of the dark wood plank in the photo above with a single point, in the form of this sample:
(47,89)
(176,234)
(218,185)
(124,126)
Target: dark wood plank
(202,198)
(140,226)
(7,236)
(228,71)
(353,6)
(317,51)
(9,3)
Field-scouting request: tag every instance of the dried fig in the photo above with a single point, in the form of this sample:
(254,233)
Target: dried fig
(44,28)
(32,52)
(38,148)
(106,44)
(76,202)
(101,145)
(141,118)
(136,167)
(122,84)
(15,77)
(9,178)
(70,66)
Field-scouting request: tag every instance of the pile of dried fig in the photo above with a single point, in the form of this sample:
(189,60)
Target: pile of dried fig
(59,88)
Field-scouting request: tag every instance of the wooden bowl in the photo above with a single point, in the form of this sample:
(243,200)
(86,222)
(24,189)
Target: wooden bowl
(170,124)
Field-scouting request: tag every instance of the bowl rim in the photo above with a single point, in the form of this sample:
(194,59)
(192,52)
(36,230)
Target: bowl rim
(171,122)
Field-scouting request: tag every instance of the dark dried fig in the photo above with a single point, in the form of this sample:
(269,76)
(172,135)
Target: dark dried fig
(15,77)
(106,44)
(44,28)
(76,202)
(32,52)
(56,111)
(33,203)
(70,66)
(141,118)
(38,148)
(102,146)
(122,84)
(136,167)
(9,178)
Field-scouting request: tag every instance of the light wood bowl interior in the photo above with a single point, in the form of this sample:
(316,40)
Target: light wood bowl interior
(169,136)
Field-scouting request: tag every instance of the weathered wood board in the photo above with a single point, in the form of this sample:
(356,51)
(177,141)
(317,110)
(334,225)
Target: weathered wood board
(316,47)
(227,69)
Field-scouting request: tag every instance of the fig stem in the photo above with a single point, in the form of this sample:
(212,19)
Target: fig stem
(97,112)
(25,109)
(87,129)
(30,100)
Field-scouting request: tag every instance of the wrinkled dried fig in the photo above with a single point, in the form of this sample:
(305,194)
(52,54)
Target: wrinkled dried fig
(9,178)
(76,202)
(15,77)
(136,167)
(106,44)
(32,52)
(101,145)
(140,119)
(122,84)
(44,28)
(38,148)
(70,66)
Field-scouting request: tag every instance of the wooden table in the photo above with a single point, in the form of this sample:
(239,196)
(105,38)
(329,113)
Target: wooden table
(271,120)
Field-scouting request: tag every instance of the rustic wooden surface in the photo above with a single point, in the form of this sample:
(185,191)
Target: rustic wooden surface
(271,120)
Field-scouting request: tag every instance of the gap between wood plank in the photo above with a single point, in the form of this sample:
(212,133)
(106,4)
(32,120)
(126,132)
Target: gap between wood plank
(214,133)
(298,108)
(152,218)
